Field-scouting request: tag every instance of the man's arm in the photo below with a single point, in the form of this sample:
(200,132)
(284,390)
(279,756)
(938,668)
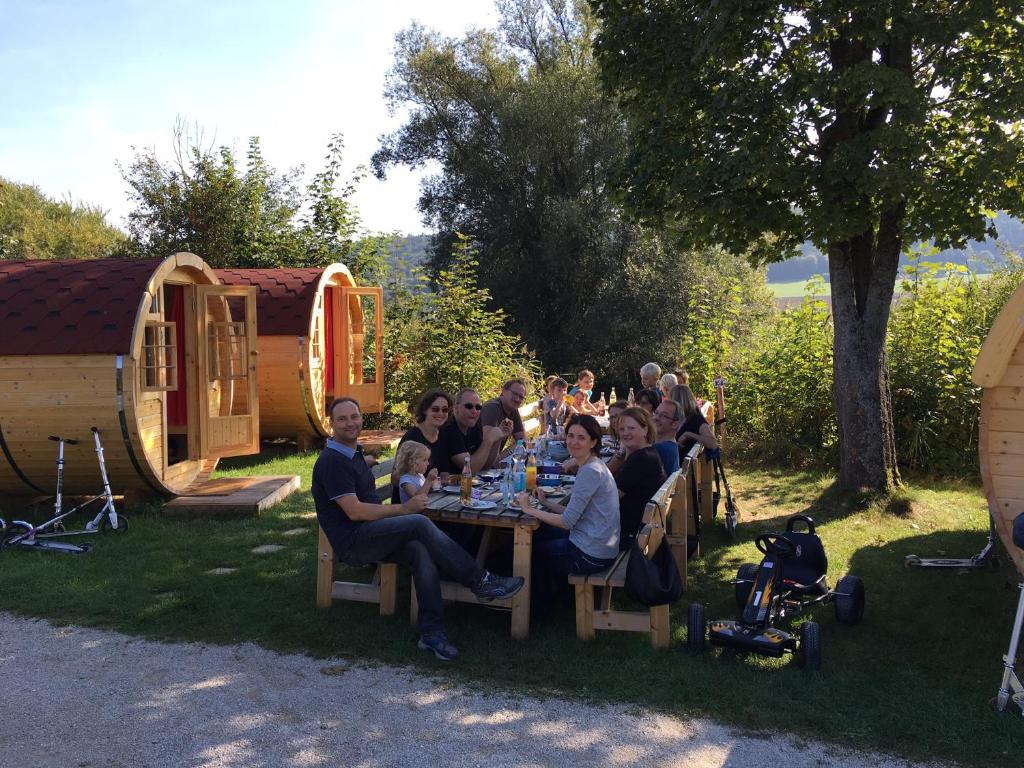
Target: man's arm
(360,510)
(487,454)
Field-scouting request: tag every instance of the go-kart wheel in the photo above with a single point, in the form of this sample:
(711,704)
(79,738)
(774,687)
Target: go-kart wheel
(810,646)
(849,600)
(775,544)
(746,574)
(696,628)
(122,524)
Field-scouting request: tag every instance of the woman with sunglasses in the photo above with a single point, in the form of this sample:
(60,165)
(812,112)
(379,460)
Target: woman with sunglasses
(431,415)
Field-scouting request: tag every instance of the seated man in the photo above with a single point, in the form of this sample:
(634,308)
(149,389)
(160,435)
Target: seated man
(502,415)
(666,422)
(465,429)
(363,531)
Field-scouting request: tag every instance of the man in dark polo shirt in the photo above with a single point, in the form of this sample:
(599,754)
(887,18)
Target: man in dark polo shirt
(466,426)
(362,530)
(502,413)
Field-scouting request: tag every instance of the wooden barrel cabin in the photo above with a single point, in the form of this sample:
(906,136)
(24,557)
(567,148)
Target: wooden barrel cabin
(156,354)
(999,370)
(320,337)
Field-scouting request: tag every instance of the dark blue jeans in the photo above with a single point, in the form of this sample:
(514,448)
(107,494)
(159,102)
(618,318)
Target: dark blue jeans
(414,542)
(553,560)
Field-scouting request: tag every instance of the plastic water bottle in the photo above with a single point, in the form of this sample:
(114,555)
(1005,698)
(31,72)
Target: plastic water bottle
(506,486)
(519,468)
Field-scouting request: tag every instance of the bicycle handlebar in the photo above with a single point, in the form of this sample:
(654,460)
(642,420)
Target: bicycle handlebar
(67,440)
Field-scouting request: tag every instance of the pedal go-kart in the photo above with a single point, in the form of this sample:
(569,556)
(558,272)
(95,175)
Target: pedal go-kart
(791,579)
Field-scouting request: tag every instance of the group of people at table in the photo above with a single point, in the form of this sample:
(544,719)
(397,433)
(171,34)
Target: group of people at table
(601,517)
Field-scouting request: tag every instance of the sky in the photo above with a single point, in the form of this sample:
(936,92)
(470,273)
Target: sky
(82,83)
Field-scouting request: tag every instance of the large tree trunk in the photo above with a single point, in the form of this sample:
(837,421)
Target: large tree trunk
(863,274)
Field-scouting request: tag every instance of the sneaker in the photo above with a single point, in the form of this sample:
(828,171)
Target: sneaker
(438,643)
(493,587)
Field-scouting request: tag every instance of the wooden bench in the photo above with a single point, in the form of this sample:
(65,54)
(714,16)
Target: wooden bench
(382,589)
(531,416)
(654,620)
(667,521)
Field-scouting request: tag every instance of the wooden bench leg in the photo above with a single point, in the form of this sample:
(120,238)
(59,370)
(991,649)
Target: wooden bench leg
(584,612)
(521,547)
(659,626)
(388,588)
(414,606)
(324,571)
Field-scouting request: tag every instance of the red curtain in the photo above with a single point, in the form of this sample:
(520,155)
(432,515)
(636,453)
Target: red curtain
(177,401)
(328,345)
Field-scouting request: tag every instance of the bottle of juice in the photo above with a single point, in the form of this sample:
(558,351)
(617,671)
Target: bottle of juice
(531,472)
(612,398)
(466,489)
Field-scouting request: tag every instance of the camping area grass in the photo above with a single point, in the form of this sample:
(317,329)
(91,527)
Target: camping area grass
(914,679)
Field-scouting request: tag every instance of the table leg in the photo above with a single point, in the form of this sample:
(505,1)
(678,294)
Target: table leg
(521,549)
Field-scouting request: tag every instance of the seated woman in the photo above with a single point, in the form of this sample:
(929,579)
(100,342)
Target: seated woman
(589,524)
(694,427)
(614,412)
(637,469)
(446,448)
(585,385)
(648,399)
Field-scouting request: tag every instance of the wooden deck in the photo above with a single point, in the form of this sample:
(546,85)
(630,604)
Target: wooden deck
(376,440)
(232,497)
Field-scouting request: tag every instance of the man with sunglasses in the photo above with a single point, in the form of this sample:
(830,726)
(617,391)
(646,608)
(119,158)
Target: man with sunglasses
(502,413)
(466,427)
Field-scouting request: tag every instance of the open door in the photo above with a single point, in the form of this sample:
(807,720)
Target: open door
(359,346)
(228,402)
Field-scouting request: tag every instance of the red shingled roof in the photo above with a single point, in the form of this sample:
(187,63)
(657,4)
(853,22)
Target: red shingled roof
(70,307)
(284,297)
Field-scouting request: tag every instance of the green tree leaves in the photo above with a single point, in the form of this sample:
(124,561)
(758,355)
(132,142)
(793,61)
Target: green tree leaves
(256,217)
(32,226)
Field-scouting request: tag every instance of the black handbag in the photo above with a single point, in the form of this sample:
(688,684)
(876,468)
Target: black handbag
(655,581)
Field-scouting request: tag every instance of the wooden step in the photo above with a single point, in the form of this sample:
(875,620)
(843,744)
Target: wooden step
(232,497)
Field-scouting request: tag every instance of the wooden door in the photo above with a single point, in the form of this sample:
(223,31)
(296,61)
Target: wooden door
(228,401)
(359,346)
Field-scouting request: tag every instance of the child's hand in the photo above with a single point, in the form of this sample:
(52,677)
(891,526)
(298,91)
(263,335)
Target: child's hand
(431,476)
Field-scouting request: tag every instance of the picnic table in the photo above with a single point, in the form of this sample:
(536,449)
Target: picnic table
(447,508)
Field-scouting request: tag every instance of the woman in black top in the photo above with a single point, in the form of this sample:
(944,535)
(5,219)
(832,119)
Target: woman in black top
(446,448)
(638,470)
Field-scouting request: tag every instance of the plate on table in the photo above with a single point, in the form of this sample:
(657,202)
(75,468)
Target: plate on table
(452,489)
(478,505)
(568,479)
(490,475)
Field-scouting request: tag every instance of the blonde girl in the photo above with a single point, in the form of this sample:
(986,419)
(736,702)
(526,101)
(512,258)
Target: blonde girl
(411,462)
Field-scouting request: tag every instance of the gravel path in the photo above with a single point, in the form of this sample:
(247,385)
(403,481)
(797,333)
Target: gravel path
(90,698)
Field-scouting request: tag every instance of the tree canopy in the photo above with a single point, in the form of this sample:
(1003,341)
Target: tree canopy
(204,202)
(861,126)
(33,226)
(524,138)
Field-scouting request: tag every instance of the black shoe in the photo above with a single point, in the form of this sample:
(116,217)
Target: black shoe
(492,587)
(438,643)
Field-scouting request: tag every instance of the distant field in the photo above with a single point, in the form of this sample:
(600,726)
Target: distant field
(795,289)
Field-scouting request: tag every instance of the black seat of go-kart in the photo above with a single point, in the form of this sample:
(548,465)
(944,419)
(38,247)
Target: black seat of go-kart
(807,567)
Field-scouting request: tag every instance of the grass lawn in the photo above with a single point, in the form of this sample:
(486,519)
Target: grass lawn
(914,679)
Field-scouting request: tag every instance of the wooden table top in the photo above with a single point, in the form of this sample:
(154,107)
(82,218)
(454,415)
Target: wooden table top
(448,506)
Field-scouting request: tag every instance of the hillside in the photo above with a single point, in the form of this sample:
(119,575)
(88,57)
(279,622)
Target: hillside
(978,254)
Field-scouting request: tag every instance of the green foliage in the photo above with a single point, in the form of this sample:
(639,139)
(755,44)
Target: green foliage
(524,136)
(234,217)
(936,332)
(727,301)
(779,386)
(32,226)
(448,338)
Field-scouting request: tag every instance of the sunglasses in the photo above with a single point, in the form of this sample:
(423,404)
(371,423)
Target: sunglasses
(473,406)
(439,409)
